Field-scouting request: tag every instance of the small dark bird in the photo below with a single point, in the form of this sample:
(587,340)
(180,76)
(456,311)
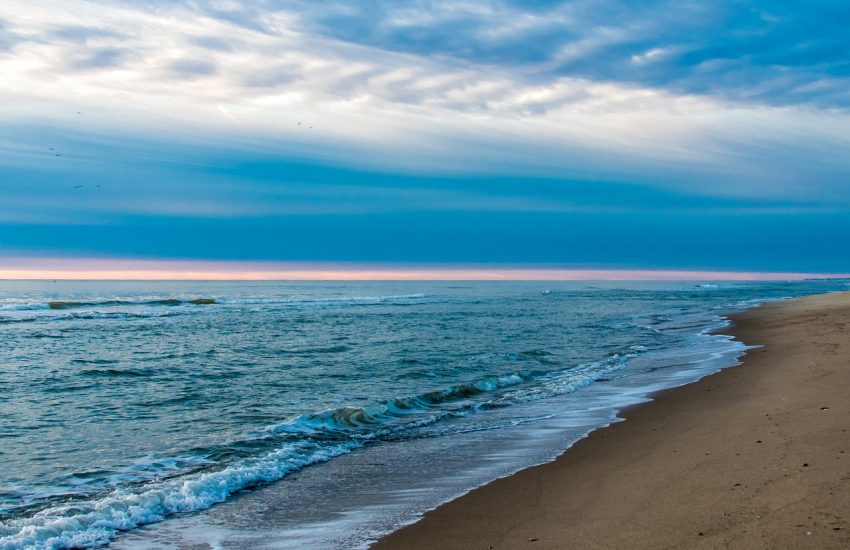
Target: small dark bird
(58,155)
(51,148)
(78,187)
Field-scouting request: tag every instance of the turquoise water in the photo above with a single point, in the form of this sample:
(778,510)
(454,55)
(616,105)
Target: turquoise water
(126,404)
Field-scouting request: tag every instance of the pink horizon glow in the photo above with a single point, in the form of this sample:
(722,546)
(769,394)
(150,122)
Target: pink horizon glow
(109,269)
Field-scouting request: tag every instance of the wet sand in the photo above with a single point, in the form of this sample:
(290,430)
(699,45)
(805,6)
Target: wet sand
(755,456)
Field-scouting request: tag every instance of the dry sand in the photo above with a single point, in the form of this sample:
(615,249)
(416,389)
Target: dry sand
(756,456)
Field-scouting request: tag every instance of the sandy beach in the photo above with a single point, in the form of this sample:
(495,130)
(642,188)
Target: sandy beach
(756,456)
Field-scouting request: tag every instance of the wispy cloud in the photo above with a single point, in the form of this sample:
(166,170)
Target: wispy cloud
(233,110)
(402,78)
(722,48)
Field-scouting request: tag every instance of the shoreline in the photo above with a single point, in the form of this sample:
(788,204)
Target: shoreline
(756,455)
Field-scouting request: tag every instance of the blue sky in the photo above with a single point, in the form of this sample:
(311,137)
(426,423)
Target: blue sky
(645,134)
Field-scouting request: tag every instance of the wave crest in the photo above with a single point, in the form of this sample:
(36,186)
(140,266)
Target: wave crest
(60,304)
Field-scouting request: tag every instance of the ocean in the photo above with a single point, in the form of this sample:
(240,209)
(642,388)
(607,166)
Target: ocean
(318,415)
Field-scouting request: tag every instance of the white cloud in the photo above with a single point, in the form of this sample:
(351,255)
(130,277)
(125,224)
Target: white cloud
(179,74)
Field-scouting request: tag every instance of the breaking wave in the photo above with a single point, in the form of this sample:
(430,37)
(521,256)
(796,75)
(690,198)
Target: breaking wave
(112,303)
(275,452)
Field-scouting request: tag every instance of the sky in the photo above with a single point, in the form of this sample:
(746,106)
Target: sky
(587,134)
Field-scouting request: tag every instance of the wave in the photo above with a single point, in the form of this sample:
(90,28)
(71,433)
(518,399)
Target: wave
(314,351)
(86,315)
(393,416)
(329,300)
(351,421)
(64,305)
(82,524)
(15,320)
(304,440)
(112,315)
(114,372)
(94,361)
(112,303)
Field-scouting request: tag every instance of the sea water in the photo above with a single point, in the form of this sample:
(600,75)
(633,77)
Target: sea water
(318,415)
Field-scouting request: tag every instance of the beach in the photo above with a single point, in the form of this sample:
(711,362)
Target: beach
(754,456)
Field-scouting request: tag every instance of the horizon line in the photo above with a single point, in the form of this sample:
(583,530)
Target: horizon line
(103,269)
